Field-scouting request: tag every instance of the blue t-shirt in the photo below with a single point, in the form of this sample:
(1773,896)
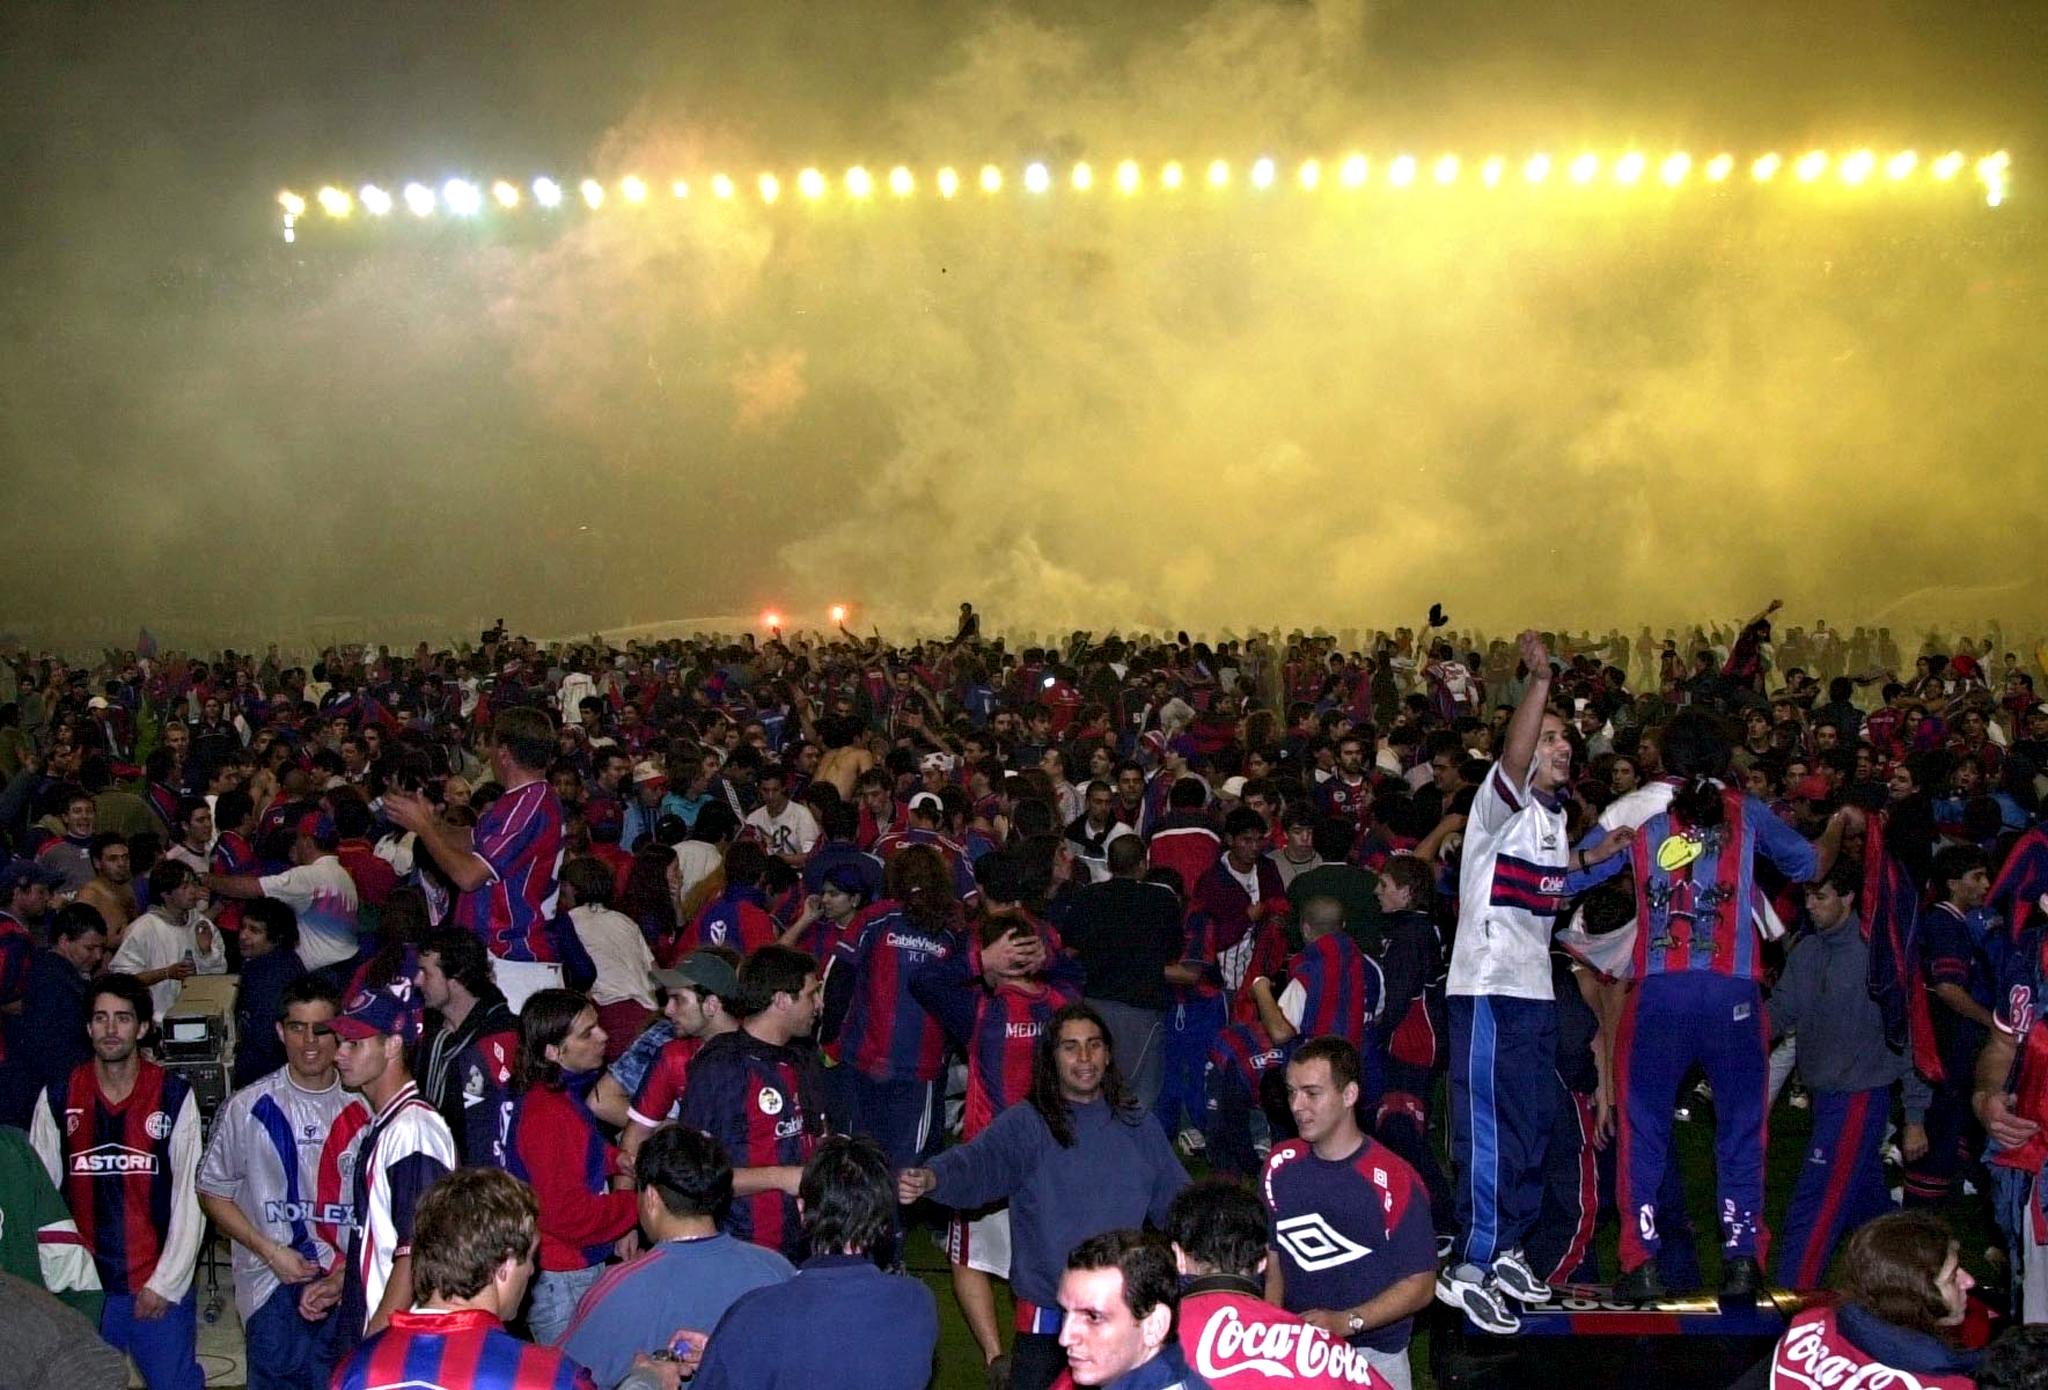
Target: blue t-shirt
(678,1286)
(1347,1230)
(839,1322)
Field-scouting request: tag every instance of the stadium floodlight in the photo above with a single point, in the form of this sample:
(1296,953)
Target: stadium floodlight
(949,182)
(1171,176)
(1858,167)
(838,614)
(1262,172)
(633,188)
(506,194)
(292,203)
(375,200)
(335,202)
(1310,174)
(1901,164)
(902,182)
(546,192)
(811,183)
(1674,169)
(1811,166)
(420,199)
(1585,168)
(1128,177)
(1354,170)
(991,179)
(1719,167)
(1083,177)
(1489,172)
(680,188)
(859,183)
(463,198)
(1766,167)
(1949,165)
(1219,173)
(593,193)
(1537,169)
(1037,178)
(1629,168)
(1401,172)
(722,187)
(1446,170)
(771,188)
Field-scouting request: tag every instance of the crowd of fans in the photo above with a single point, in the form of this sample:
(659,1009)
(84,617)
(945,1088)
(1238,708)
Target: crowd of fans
(650,1000)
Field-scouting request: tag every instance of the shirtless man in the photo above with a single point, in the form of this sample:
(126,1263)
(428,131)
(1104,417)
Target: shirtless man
(845,758)
(112,887)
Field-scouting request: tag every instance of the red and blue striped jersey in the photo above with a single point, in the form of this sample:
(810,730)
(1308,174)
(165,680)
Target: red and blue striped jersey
(888,1034)
(461,1349)
(2016,893)
(964,887)
(1697,915)
(660,1093)
(520,838)
(737,918)
(1007,1023)
(116,1168)
(1341,989)
(758,1100)
(232,855)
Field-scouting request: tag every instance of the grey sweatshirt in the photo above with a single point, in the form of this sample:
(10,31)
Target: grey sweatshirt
(1824,997)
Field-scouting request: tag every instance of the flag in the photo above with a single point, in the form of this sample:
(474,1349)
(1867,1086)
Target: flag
(1891,925)
(2017,893)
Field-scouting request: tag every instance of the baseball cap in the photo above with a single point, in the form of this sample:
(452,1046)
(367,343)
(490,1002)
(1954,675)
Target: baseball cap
(647,770)
(1811,787)
(1233,787)
(927,801)
(384,1012)
(703,972)
(27,871)
(97,702)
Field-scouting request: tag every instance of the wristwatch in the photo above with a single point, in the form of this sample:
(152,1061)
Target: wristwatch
(1355,1323)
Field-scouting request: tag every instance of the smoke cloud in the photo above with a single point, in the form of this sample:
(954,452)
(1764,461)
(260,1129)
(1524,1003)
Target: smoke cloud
(1189,409)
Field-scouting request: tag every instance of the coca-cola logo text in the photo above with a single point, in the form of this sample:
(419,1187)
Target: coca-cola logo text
(1275,1351)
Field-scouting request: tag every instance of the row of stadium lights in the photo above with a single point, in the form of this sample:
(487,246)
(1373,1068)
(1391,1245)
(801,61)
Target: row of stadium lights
(461,198)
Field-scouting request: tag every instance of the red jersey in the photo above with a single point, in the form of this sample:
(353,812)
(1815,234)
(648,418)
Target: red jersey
(1007,1024)
(661,1088)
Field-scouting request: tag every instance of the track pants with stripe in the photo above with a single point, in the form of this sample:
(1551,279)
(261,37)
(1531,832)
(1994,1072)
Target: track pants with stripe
(1191,1029)
(1503,1098)
(1673,1021)
(1841,1183)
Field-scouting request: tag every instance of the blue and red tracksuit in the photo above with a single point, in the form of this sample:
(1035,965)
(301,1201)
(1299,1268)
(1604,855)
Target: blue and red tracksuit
(1406,1050)
(893,1050)
(1964,950)
(738,918)
(761,1101)
(462,1347)
(554,1146)
(1698,1001)
(1241,1059)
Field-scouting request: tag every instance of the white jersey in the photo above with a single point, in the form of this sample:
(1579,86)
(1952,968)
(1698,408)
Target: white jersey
(405,1150)
(285,1156)
(1510,891)
(795,831)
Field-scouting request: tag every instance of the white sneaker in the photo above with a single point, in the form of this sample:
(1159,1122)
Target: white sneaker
(1512,1273)
(1192,1142)
(1473,1292)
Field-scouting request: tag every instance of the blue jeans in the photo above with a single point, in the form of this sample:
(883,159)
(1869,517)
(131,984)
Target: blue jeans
(164,1349)
(556,1292)
(287,1352)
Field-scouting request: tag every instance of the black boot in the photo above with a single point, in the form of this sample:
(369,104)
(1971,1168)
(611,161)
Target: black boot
(1741,1278)
(1641,1285)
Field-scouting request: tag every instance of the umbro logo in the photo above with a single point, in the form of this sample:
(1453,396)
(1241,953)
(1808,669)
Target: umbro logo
(1315,1244)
